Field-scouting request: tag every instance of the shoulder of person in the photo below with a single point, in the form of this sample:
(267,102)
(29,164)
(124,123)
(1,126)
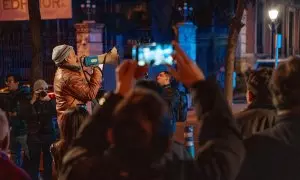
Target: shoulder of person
(14,172)
(25,97)
(55,147)
(75,154)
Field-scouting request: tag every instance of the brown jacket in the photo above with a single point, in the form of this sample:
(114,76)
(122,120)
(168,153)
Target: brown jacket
(71,88)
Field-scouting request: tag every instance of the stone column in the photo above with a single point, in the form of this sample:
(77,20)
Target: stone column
(89,38)
(89,41)
(187,33)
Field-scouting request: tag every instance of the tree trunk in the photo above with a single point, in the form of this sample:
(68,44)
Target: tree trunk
(35,28)
(234,30)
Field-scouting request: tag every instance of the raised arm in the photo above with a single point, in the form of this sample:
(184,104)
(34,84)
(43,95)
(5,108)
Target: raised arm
(222,150)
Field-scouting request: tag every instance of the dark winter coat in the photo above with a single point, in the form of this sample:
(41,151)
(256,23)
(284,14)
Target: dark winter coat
(17,102)
(274,153)
(40,118)
(256,118)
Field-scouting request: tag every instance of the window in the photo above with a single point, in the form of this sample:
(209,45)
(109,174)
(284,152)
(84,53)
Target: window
(260,27)
(291,33)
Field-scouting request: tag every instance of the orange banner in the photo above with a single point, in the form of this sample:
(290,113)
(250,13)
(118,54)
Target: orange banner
(16,10)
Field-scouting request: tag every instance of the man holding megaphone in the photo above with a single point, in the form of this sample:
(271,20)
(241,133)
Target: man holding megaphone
(71,88)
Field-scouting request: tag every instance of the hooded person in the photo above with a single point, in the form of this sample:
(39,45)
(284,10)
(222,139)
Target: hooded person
(70,85)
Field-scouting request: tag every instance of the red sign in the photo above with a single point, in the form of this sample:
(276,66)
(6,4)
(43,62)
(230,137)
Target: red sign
(15,10)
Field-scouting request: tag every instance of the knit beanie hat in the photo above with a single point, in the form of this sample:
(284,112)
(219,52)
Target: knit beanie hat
(60,53)
(40,84)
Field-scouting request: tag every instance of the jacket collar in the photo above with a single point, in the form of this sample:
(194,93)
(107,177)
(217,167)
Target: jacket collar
(71,67)
(256,105)
(291,115)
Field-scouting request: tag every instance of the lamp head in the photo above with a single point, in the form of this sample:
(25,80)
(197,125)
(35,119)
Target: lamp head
(273,14)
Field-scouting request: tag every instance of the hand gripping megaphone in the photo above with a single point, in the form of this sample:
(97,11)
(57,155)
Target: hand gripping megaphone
(111,57)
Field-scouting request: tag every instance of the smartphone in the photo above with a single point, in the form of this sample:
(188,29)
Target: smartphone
(153,54)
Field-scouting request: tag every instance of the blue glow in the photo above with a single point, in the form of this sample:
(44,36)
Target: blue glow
(187,39)
(154,54)
(133,53)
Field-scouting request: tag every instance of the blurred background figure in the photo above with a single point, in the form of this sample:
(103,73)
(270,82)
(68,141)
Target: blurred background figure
(71,122)
(41,133)
(16,104)
(8,170)
(260,113)
(170,95)
(274,153)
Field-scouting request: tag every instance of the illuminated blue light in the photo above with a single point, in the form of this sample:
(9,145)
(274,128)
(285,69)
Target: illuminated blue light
(154,54)
(169,60)
(187,39)
(133,53)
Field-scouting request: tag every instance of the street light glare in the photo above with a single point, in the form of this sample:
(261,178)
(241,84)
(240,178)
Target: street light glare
(273,14)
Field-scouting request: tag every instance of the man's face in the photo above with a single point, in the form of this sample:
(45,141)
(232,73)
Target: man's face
(72,59)
(12,84)
(163,79)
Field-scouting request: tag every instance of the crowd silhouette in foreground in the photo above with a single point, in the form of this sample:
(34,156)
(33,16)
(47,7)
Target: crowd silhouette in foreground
(129,135)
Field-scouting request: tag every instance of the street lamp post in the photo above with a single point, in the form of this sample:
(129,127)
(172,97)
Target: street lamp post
(89,9)
(273,14)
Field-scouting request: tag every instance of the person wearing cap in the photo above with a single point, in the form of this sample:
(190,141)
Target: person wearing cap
(41,134)
(260,113)
(70,85)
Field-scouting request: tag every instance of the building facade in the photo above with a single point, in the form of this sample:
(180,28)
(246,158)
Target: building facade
(255,37)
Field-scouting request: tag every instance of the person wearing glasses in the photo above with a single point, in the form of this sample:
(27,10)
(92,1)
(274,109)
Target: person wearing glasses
(15,102)
(41,133)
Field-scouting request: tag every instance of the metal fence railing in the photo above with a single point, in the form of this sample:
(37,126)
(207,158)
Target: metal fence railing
(15,53)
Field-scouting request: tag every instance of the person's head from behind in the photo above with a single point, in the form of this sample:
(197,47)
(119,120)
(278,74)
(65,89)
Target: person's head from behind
(164,78)
(64,55)
(154,86)
(12,82)
(137,133)
(285,85)
(258,86)
(71,122)
(4,132)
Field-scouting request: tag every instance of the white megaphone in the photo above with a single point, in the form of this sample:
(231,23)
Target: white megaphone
(111,57)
